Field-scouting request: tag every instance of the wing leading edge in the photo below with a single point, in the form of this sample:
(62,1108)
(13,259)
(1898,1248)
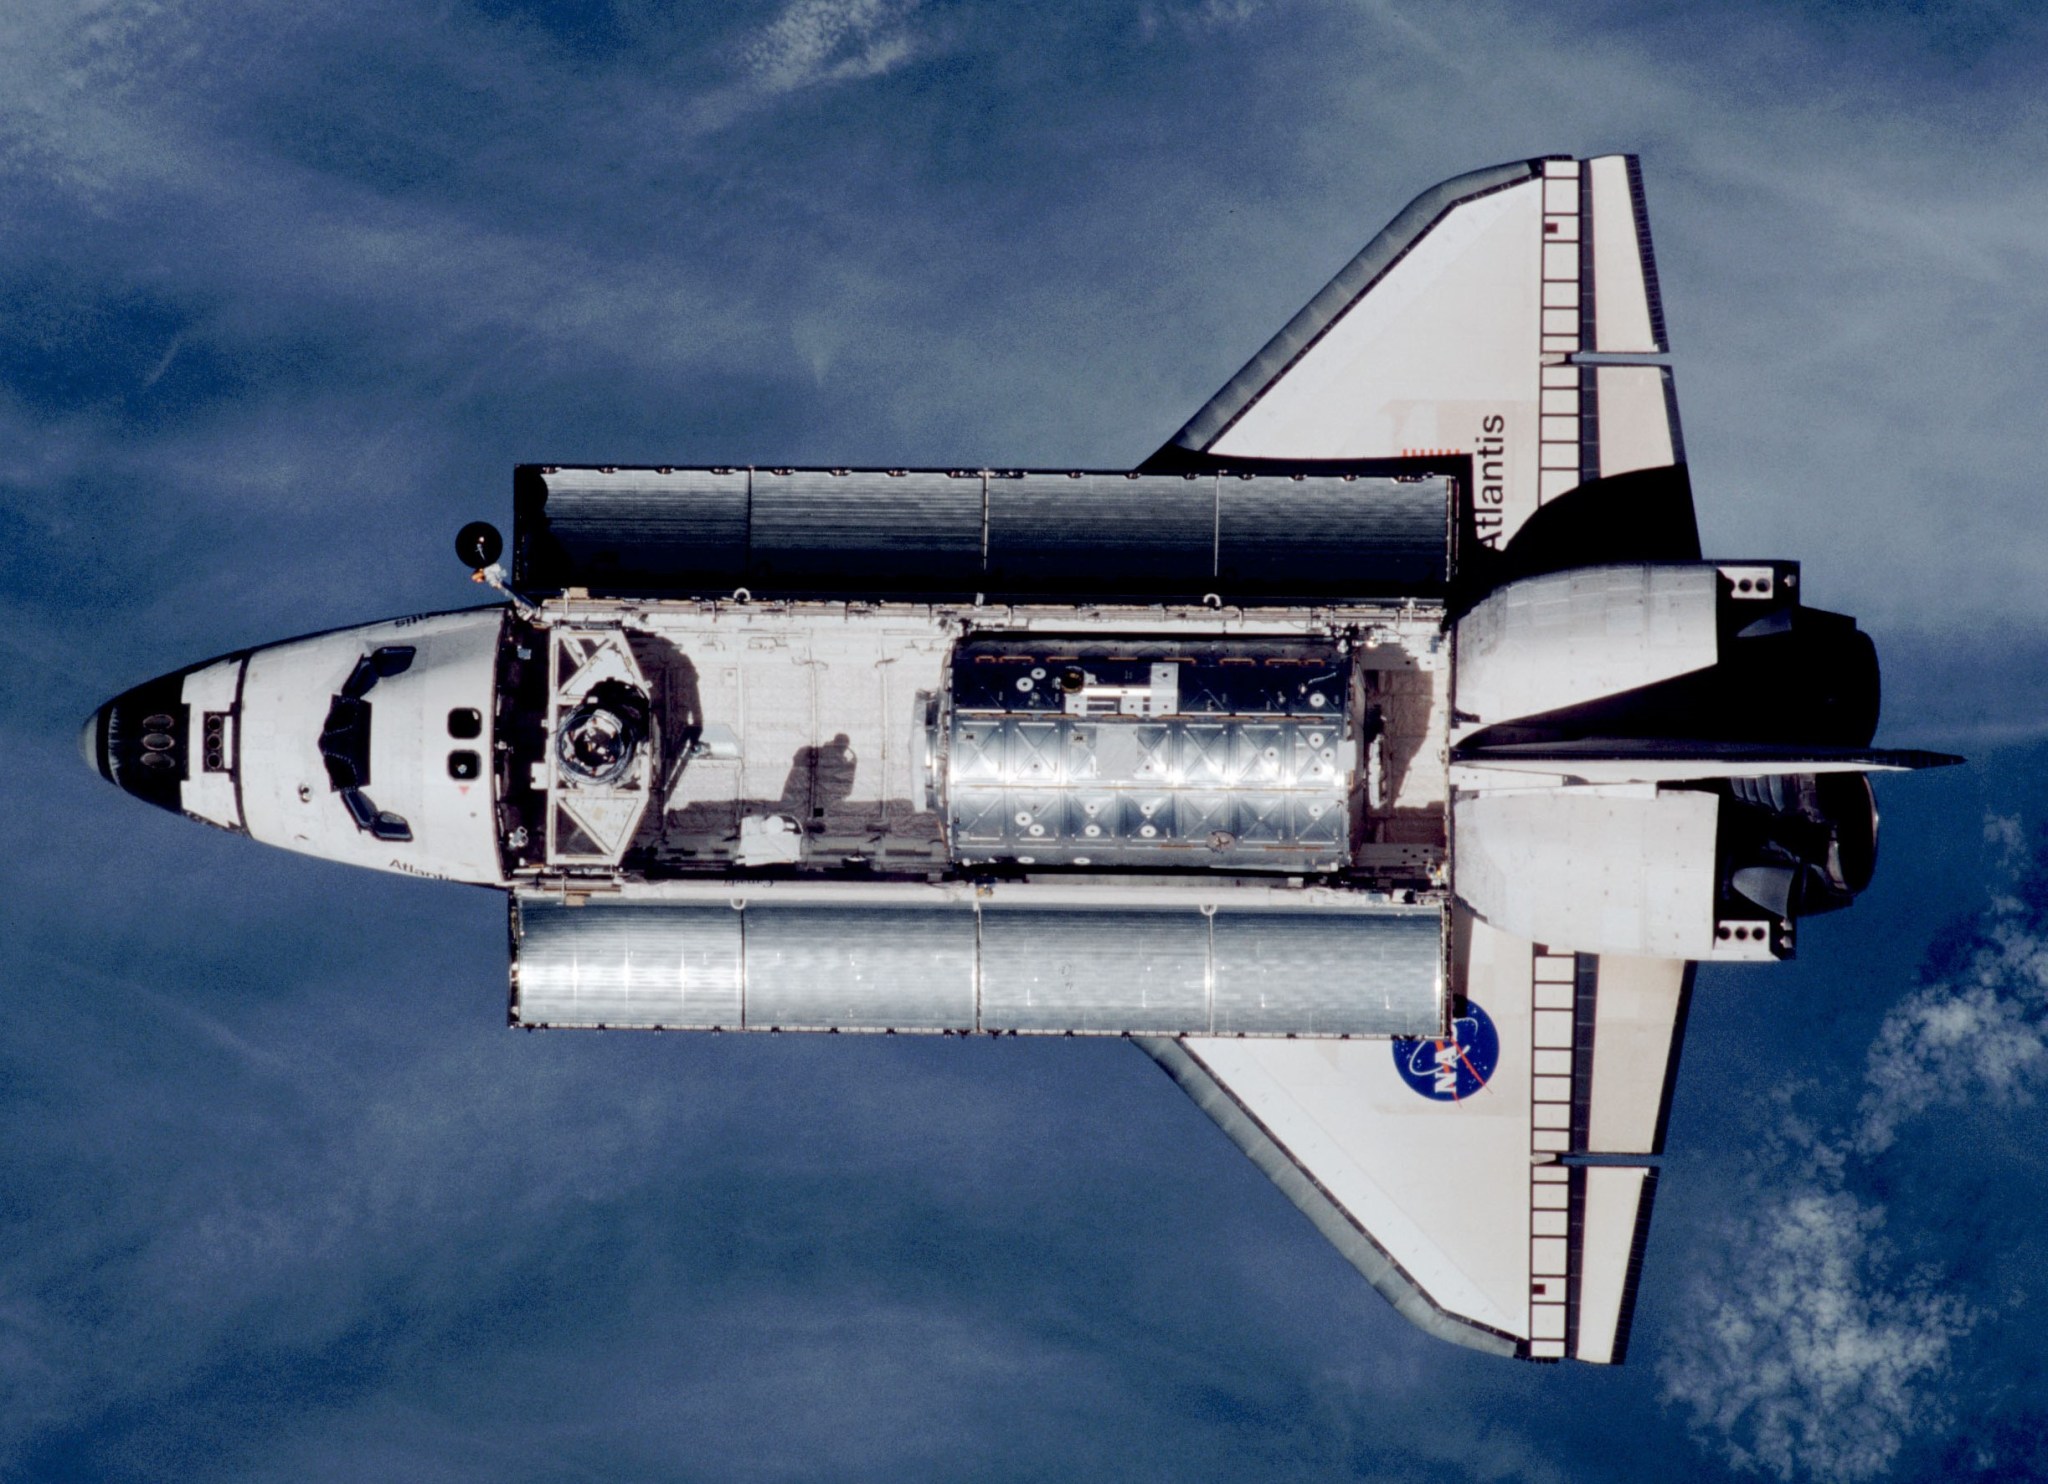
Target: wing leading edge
(1467,328)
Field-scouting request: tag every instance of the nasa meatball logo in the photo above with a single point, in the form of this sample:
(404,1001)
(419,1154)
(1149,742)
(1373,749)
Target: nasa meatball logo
(1449,1070)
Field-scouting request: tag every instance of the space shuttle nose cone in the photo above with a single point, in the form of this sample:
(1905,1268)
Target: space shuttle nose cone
(89,743)
(138,742)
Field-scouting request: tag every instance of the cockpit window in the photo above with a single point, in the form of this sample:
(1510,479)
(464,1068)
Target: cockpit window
(379,822)
(378,664)
(345,742)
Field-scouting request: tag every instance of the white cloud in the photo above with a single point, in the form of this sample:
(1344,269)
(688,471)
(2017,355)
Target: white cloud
(1806,1353)
(1200,15)
(815,41)
(1806,1350)
(1980,1033)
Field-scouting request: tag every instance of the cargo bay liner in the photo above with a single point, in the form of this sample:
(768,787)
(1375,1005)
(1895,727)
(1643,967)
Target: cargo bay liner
(1379,755)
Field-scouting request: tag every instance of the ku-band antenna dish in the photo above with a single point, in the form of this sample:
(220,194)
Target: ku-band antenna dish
(479,545)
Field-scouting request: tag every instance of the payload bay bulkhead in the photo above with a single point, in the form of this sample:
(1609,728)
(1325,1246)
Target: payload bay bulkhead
(1380,754)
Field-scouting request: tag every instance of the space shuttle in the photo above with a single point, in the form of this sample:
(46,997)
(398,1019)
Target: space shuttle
(1379,756)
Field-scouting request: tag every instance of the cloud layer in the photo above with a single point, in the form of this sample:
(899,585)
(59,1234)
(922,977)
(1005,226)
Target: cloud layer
(1979,1034)
(1808,1353)
(1810,1348)
(284,294)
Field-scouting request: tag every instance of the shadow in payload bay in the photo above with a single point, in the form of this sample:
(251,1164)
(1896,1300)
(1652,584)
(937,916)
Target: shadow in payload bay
(816,796)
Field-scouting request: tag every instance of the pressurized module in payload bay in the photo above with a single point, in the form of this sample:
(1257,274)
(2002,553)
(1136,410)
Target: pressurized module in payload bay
(1379,755)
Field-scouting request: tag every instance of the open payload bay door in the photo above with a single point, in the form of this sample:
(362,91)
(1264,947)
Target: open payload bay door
(1453,1173)
(1457,331)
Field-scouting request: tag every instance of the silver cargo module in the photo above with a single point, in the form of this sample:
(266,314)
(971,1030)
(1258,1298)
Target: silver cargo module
(1188,753)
